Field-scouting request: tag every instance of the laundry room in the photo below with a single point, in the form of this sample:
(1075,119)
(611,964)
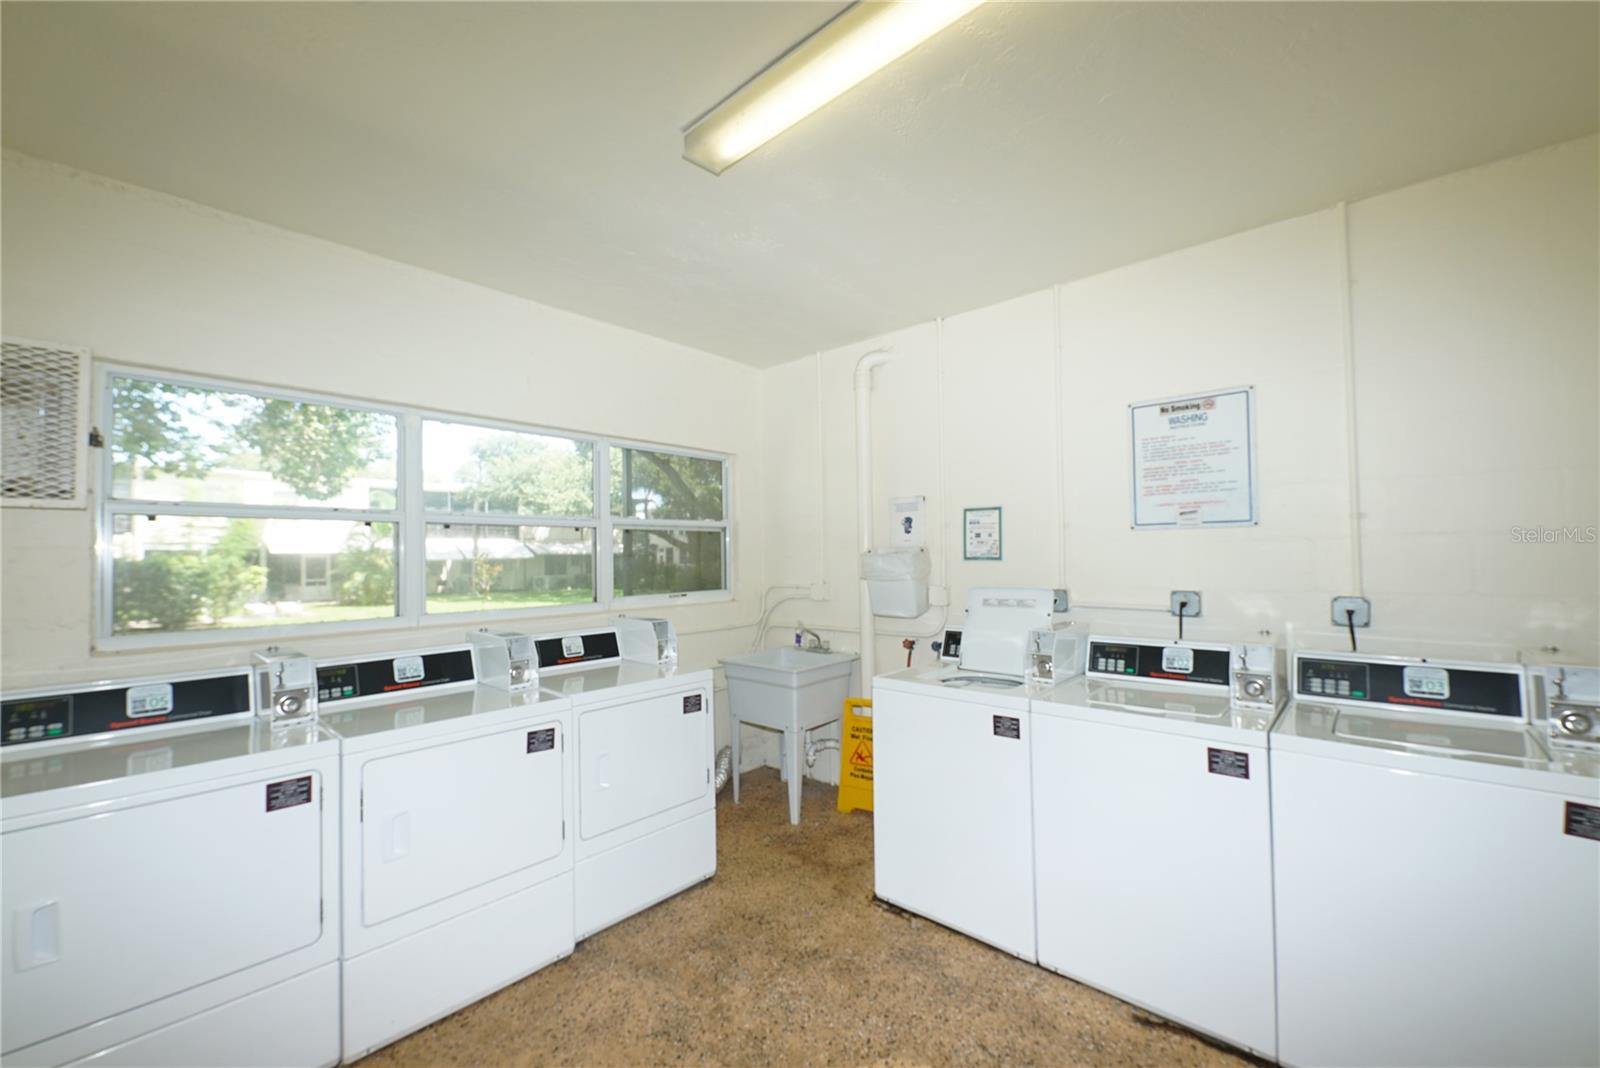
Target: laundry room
(921,532)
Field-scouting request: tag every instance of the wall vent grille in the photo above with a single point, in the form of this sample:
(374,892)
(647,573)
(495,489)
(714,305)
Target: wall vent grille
(44,394)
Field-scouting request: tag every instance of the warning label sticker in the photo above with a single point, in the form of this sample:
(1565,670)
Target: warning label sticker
(1583,821)
(1228,762)
(540,741)
(1008,727)
(288,793)
(693,703)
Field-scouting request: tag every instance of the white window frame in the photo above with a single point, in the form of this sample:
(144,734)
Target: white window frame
(410,519)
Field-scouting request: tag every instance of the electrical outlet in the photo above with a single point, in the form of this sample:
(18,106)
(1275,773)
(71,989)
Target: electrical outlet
(820,592)
(1185,603)
(1360,606)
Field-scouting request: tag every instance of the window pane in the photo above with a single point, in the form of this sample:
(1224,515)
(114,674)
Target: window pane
(664,485)
(176,443)
(468,469)
(203,573)
(480,567)
(666,561)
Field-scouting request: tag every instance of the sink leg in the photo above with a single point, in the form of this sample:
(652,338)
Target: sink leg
(733,772)
(783,756)
(795,749)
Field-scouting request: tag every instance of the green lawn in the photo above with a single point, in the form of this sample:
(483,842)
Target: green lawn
(505,599)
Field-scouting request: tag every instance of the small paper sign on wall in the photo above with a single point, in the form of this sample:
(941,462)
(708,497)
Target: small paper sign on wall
(982,539)
(1194,460)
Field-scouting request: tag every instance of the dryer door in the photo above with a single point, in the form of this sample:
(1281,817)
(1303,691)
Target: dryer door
(442,819)
(109,910)
(641,757)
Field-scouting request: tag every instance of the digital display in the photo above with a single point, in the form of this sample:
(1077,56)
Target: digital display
(1334,678)
(154,699)
(409,669)
(1114,659)
(38,720)
(336,682)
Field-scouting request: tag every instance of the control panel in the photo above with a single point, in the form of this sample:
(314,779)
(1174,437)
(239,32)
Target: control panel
(63,714)
(1473,689)
(567,649)
(1190,662)
(395,674)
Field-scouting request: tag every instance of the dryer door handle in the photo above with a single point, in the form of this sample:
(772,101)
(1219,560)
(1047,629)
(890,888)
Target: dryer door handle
(602,771)
(397,837)
(37,930)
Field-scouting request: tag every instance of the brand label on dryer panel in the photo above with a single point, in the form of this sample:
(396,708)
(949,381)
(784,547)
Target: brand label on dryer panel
(288,793)
(1583,821)
(1228,762)
(693,703)
(1007,727)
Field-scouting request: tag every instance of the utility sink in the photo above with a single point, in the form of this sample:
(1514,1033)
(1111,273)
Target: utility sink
(786,664)
(787,690)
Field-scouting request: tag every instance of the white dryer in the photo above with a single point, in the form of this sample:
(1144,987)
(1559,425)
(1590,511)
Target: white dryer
(171,878)
(457,856)
(645,745)
(1437,871)
(952,805)
(1152,831)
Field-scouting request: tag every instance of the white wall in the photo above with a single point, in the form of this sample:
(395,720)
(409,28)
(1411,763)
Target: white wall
(1473,340)
(146,279)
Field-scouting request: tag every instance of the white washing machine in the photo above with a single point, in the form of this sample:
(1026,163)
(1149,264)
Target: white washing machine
(170,879)
(952,804)
(1152,831)
(457,851)
(1437,871)
(646,811)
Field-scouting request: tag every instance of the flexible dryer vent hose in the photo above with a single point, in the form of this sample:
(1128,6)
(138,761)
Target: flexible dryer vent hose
(724,770)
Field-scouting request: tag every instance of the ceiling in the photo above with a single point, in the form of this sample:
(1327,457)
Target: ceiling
(534,148)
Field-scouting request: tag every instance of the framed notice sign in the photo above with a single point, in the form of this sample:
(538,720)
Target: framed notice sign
(981,534)
(1194,460)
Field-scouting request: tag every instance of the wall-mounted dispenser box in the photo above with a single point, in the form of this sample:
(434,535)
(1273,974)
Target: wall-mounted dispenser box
(897,582)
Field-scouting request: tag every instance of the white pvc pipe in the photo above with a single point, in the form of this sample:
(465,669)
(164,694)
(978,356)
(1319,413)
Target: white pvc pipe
(863,385)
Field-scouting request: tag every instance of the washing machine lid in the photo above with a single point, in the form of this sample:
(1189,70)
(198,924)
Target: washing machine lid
(956,682)
(1201,711)
(1510,754)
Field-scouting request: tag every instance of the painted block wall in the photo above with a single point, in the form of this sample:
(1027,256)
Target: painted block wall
(150,280)
(1471,335)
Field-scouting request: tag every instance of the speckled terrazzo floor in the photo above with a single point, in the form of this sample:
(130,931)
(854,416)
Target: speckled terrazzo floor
(783,959)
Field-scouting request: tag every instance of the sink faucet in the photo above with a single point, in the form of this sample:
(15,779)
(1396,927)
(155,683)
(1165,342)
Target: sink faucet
(814,645)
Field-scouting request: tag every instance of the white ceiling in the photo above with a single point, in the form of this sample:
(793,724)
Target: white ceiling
(535,148)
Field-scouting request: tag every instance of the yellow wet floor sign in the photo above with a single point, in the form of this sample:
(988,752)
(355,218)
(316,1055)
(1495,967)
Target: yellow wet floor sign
(855,756)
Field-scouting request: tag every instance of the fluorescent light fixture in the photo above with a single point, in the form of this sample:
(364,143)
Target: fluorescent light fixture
(862,40)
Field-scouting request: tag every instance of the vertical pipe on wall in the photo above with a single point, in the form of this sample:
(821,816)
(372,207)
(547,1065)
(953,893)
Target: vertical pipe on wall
(1352,458)
(941,502)
(822,484)
(1059,408)
(863,387)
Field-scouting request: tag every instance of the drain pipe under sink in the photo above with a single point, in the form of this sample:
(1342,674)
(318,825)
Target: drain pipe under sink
(869,634)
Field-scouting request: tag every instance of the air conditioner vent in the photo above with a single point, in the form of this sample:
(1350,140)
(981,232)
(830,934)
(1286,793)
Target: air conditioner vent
(44,392)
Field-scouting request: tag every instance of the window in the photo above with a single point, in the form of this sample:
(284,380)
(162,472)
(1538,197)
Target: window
(236,509)
(232,509)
